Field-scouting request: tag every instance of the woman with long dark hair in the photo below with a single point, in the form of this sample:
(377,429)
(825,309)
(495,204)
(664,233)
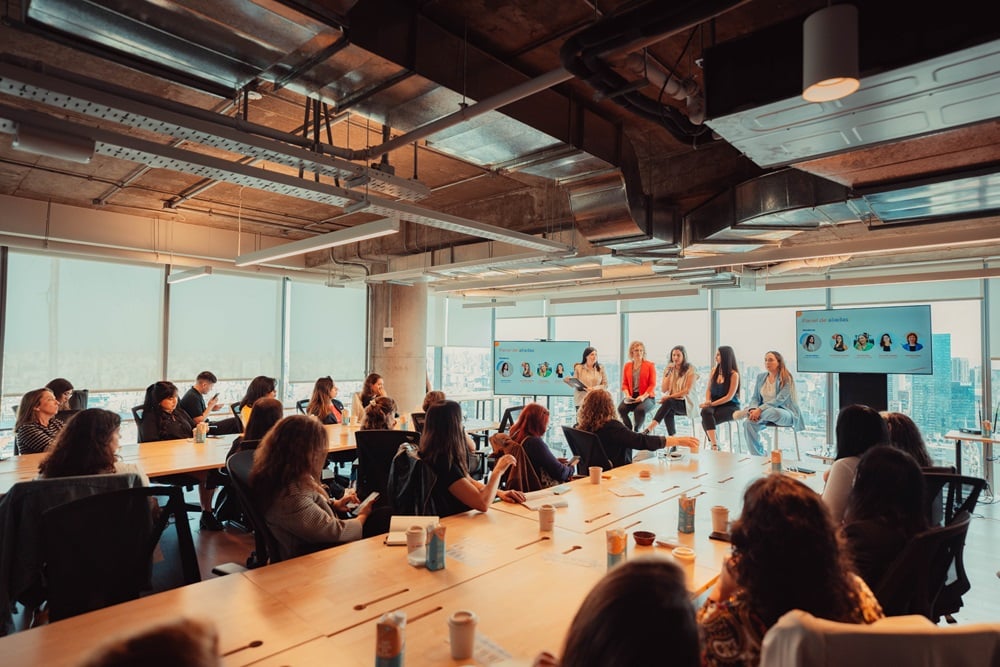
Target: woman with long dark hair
(373,387)
(589,372)
(722,395)
(773,401)
(286,474)
(162,420)
(443,448)
(884,510)
(324,404)
(36,424)
(259,387)
(88,445)
(859,428)
(266,413)
(678,380)
(904,435)
(786,555)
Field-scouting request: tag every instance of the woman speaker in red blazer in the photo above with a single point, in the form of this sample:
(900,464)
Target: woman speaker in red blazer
(638,386)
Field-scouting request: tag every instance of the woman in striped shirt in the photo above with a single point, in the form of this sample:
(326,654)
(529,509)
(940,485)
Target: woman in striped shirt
(36,425)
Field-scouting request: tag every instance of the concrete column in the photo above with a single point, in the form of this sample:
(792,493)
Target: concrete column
(404,365)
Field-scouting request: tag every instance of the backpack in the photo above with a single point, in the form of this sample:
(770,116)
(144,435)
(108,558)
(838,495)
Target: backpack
(411,484)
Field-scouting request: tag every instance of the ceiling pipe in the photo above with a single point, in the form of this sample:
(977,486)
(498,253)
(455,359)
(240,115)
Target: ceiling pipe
(683,90)
(810,264)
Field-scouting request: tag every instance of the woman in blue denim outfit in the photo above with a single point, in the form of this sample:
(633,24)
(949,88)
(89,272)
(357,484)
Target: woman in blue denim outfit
(773,401)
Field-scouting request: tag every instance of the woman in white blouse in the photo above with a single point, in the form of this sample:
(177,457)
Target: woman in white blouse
(773,401)
(590,373)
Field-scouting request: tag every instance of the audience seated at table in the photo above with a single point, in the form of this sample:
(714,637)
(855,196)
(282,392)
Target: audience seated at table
(193,403)
(884,510)
(36,425)
(537,467)
(188,642)
(787,554)
(324,404)
(639,614)
(287,468)
(859,428)
(443,448)
(379,415)
(88,445)
(162,420)
(266,413)
(432,397)
(62,389)
(374,386)
(598,415)
(259,387)
(904,435)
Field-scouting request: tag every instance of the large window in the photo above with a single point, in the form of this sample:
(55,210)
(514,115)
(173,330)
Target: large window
(228,324)
(327,333)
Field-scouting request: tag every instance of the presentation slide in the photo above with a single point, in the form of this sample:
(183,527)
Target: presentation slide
(894,339)
(535,367)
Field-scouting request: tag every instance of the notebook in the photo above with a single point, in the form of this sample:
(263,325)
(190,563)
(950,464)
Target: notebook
(398,525)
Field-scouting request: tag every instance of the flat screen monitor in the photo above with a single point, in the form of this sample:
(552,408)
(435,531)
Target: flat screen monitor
(891,339)
(535,367)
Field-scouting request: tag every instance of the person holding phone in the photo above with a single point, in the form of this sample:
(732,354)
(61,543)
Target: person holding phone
(194,404)
(286,478)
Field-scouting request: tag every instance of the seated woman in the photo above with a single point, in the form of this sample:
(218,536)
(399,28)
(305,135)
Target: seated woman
(773,401)
(373,387)
(36,425)
(638,386)
(884,510)
(430,399)
(63,391)
(786,555)
(324,404)
(266,413)
(722,394)
(162,420)
(904,435)
(531,425)
(633,603)
(859,428)
(88,445)
(598,416)
(259,387)
(379,415)
(287,468)
(444,450)
(678,379)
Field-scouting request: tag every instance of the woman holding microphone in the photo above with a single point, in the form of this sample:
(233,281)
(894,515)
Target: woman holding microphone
(678,379)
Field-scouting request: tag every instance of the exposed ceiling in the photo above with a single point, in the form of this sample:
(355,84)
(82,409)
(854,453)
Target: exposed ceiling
(519,142)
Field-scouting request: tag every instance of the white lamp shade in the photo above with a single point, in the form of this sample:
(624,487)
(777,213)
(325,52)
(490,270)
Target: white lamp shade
(830,54)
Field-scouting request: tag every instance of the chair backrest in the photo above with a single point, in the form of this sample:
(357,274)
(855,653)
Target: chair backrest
(137,411)
(300,406)
(265,545)
(376,448)
(99,549)
(509,417)
(238,413)
(588,447)
(913,582)
(948,494)
(418,421)
(800,639)
(79,399)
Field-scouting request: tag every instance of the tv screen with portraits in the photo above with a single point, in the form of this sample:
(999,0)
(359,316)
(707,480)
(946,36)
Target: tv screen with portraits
(890,339)
(535,367)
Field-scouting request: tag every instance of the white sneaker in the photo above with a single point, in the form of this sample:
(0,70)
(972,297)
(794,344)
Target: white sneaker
(740,414)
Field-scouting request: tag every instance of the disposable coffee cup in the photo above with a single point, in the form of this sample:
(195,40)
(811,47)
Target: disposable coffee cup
(546,517)
(685,558)
(462,634)
(415,538)
(720,519)
(595,474)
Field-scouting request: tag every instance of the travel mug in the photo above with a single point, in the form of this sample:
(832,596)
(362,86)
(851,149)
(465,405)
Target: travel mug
(595,474)
(546,517)
(462,633)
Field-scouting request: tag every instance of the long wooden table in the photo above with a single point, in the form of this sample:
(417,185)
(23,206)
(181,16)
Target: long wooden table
(525,585)
(166,457)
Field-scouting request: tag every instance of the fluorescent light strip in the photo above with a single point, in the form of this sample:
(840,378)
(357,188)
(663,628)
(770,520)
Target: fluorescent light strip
(190,274)
(928,277)
(519,281)
(369,230)
(664,294)
(490,304)
(487,263)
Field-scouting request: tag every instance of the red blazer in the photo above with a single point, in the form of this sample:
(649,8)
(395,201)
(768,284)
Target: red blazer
(647,378)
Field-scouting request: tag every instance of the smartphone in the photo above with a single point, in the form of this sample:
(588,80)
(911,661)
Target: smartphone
(372,497)
(216,397)
(573,461)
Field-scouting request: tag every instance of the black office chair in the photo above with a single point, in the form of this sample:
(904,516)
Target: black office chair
(265,545)
(235,407)
(137,411)
(916,580)
(948,494)
(99,549)
(78,401)
(510,415)
(300,406)
(376,449)
(588,447)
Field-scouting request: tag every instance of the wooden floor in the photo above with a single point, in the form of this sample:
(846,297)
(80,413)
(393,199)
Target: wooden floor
(982,560)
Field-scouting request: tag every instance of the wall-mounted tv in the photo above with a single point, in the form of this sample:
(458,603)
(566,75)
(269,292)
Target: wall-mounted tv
(535,367)
(891,339)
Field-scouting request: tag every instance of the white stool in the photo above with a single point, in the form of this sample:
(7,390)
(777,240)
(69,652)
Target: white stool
(774,442)
(732,443)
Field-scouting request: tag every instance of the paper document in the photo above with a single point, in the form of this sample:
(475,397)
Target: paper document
(625,491)
(398,525)
(534,504)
